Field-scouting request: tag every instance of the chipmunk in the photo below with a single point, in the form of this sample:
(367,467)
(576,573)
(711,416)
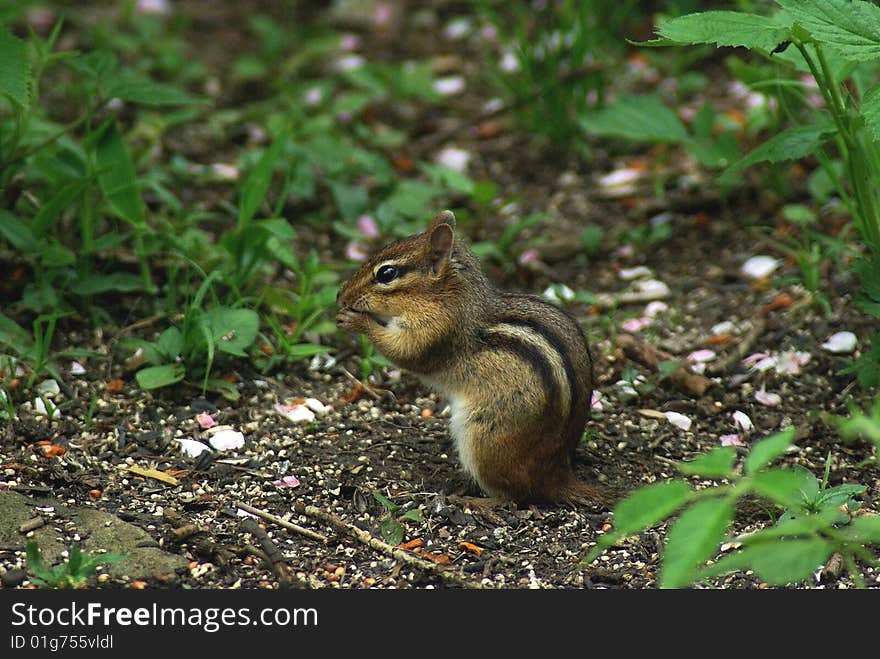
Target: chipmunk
(516,369)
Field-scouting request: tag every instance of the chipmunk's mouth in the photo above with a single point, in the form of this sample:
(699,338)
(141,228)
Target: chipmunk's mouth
(379,319)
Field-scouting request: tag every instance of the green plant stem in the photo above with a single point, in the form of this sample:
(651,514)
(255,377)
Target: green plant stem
(853,570)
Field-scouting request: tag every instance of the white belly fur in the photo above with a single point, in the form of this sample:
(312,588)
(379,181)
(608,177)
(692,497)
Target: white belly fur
(458,430)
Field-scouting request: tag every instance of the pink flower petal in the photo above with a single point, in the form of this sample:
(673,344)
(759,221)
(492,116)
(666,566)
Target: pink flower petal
(368,227)
(731,440)
(286,481)
(191,447)
(678,420)
(449,86)
(453,158)
(205,420)
(596,401)
(742,420)
(841,342)
(699,356)
(529,256)
(758,267)
(356,252)
(317,406)
(656,308)
(226,440)
(638,272)
(768,398)
(295,413)
(635,324)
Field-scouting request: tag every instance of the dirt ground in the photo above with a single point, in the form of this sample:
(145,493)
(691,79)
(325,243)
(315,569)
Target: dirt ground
(393,439)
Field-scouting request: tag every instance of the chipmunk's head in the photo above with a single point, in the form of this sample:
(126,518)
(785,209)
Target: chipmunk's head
(412,291)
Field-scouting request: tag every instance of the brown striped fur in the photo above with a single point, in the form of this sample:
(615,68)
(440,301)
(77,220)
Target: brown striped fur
(516,369)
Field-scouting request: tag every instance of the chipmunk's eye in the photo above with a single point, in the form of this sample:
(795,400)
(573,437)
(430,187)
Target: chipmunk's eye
(386,274)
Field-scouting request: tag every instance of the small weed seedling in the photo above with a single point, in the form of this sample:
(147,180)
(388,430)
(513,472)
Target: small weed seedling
(390,528)
(72,573)
(814,523)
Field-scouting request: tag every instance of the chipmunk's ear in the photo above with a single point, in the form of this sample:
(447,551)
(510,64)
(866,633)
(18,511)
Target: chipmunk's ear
(440,238)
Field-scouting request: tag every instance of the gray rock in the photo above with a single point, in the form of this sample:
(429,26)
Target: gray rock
(101,531)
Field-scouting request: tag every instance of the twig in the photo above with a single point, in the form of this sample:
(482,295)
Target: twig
(270,552)
(366,387)
(31,524)
(688,382)
(373,542)
(290,526)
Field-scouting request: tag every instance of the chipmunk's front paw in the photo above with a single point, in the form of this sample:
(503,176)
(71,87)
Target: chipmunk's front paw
(350,320)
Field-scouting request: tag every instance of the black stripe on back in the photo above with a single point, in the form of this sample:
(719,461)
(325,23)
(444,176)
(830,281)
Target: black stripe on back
(531,354)
(555,342)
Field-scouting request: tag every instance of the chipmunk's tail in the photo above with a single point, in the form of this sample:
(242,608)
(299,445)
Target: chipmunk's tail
(580,493)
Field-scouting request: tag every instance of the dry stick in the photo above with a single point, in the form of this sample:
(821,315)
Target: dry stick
(690,383)
(366,387)
(290,526)
(31,524)
(373,542)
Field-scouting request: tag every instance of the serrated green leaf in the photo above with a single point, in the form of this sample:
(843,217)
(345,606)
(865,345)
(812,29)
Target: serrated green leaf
(790,144)
(233,330)
(717,463)
(725,28)
(693,539)
(767,450)
(786,487)
(135,88)
(642,118)
(116,177)
(870,111)
(15,74)
(154,377)
(850,27)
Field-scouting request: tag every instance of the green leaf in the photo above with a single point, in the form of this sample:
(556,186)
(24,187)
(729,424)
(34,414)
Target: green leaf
(786,487)
(351,200)
(636,118)
(649,505)
(790,144)
(725,28)
(767,450)
(387,503)
(795,526)
(233,330)
(132,87)
(303,350)
(414,515)
(391,531)
(17,233)
(116,177)
(835,497)
(717,463)
(120,282)
(15,74)
(258,181)
(870,111)
(852,28)
(170,344)
(694,539)
(864,529)
(788,561)
(154,377)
